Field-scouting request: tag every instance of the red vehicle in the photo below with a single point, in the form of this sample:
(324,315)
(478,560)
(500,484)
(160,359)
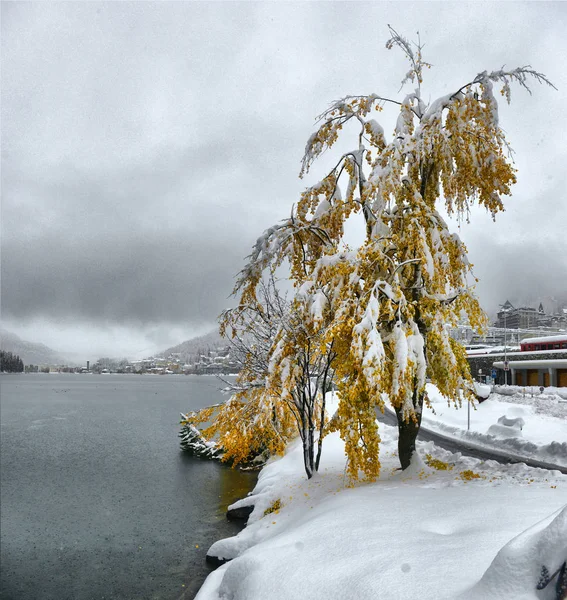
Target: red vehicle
(551,342)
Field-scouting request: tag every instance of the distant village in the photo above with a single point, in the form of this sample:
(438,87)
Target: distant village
(212,361)
(208,361)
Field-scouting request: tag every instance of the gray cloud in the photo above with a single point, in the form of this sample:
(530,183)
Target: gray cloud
(144,277)
(524,271)
(145,145)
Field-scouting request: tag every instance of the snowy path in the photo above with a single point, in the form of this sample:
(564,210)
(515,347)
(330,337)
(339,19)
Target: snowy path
(530,428)
(466,447)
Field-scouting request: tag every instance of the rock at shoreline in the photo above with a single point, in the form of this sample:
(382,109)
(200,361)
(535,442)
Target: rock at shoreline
(215,561)
(240,513)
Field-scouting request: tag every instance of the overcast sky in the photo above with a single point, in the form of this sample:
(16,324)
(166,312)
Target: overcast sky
(146,145)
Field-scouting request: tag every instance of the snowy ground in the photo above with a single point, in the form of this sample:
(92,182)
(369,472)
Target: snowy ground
(543,433)
(428,534)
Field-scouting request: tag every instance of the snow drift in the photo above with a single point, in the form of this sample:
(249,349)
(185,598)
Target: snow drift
(530,567)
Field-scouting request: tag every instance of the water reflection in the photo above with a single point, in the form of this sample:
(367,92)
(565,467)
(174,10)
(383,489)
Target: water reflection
(232,484)
(235,484)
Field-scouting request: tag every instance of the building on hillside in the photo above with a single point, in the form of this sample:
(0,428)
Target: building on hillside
(543,320)
(524,317)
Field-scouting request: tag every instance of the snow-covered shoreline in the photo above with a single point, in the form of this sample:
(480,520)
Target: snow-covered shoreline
(429,533)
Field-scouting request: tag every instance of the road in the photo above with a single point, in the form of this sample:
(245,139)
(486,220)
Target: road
(425,435)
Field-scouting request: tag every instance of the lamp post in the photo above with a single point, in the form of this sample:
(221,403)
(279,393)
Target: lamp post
(505,310)
(505,355)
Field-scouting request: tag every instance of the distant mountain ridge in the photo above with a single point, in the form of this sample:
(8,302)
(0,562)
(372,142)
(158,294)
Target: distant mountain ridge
(197,345)
(30,352)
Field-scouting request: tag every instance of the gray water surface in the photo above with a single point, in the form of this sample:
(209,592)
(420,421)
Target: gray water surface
(97,501)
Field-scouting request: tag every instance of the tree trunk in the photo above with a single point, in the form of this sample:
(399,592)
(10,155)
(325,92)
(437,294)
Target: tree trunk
(307,438)
(308,454)
(408,430)
(320,440)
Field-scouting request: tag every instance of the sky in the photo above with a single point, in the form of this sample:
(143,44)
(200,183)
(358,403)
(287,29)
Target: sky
(146,145)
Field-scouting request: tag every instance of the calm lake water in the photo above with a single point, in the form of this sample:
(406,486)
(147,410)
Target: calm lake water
(97,501)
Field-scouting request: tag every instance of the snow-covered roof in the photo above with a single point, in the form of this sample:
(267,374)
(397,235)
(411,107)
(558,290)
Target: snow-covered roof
(557,363)
(482,350)
(544,340)
(508,354)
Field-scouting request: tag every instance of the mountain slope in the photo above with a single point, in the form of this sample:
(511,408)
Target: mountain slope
(196,346)
(29,352)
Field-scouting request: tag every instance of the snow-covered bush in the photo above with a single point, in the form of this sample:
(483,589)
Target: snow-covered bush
(193,442)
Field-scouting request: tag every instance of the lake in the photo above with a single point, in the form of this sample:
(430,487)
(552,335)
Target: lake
(97,501)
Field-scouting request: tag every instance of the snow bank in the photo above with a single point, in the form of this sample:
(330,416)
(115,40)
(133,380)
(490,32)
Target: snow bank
(507,427)
(482,390)
(530,561)
(532,391)
(427,533)
(554,453)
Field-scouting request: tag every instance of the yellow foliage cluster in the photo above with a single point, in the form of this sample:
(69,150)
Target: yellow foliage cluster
(247,425)
(435,463)
(274,508)
(469,475)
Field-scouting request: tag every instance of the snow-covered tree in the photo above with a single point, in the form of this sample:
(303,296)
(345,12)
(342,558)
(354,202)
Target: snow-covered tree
(384,309)
(300,372)
(280,389)
(252,422)
(250,331)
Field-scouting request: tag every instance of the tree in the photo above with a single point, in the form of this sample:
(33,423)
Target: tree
(253,421)
(10,363)
(105,363)
(384,308)
(280,390)
(300,372)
